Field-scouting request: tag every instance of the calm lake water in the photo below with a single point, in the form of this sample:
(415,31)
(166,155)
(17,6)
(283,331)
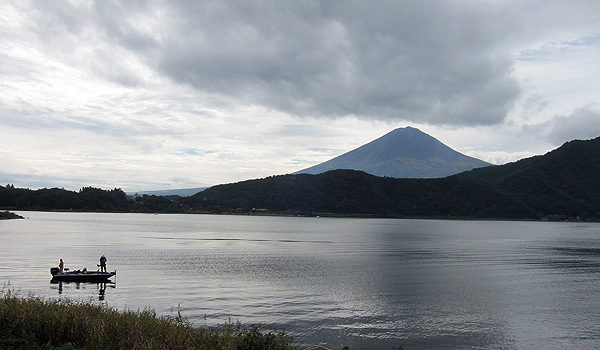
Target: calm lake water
(362,283)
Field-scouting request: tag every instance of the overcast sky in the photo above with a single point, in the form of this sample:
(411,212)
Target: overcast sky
(148,95)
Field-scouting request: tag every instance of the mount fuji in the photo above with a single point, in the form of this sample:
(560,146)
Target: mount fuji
(402,153)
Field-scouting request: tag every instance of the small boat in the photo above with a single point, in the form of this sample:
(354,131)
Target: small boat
(80,275)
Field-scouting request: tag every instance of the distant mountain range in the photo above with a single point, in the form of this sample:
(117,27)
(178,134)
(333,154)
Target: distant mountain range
(562,184)
(183,192)
(402,153)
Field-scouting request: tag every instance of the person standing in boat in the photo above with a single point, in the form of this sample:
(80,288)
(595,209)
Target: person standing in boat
(61,266)
(102,263)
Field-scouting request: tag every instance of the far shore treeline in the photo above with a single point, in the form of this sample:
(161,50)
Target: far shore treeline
(561,185)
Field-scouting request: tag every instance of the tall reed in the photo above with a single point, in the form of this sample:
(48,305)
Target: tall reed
(93,326)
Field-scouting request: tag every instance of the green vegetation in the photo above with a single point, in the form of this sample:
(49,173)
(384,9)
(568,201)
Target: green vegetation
(5,215)
(564,183)
(87,199)
(36,323)
(561,185)
(355,193)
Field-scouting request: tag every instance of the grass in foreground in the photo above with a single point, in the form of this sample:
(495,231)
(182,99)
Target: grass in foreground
(36,323)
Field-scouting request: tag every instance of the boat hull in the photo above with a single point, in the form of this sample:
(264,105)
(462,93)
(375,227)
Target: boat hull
(82,276)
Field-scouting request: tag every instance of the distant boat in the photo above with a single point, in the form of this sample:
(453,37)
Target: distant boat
(80,275)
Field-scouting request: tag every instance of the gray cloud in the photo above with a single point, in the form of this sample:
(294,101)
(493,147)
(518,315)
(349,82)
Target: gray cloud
(583,124)
(427,62)
(145,85)
(435,62)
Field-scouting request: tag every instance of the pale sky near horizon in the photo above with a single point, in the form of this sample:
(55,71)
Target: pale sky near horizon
(158,95)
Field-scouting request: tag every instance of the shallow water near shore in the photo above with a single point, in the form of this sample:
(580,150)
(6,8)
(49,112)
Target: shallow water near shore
(362,283)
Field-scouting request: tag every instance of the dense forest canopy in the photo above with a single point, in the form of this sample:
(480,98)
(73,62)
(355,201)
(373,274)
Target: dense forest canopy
(87,199)
(563,184)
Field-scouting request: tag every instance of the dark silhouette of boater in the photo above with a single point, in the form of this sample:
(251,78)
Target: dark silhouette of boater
(102,264)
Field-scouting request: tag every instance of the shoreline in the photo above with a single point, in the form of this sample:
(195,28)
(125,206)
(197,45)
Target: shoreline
(38,323)
(7,215)
(318,215)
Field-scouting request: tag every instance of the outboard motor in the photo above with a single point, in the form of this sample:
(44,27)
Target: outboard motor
(54,270)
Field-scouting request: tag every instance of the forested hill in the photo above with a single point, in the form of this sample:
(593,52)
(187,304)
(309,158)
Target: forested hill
(565,181)
(353,192)
(562,184)
(86,199)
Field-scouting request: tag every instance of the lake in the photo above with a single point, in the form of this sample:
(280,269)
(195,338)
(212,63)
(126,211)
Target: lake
(362,283)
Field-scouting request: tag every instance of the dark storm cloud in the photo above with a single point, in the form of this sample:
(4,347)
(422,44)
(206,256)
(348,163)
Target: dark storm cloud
(423,61)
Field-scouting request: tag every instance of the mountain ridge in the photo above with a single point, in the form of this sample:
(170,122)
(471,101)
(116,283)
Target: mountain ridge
(562,184)
(402,153)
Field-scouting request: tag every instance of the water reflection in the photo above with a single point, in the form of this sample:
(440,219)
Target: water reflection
(366,284)
(100,287)
(568,259)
